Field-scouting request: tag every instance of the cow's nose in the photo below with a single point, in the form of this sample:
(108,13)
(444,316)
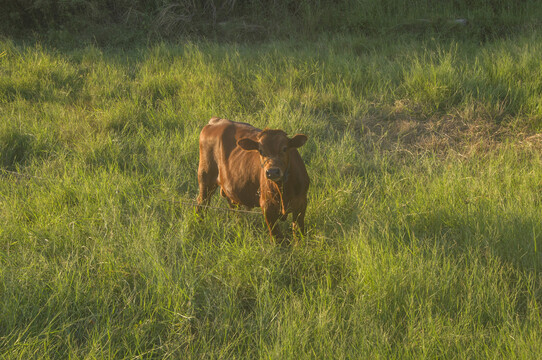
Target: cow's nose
(272,173)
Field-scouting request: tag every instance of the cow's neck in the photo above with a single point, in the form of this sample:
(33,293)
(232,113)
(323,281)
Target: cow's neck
(285,175)
(277,190)
(281,190)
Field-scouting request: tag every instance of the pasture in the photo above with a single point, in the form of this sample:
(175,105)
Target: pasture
(424,229)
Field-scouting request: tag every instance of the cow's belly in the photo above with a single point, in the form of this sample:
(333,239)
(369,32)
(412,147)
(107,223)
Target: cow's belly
(239,192)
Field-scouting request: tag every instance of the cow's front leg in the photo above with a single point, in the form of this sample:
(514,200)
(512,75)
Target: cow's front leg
(298,224)
(298,208)
(272,214)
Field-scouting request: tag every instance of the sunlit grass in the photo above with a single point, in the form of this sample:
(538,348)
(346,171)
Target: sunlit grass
(424,230)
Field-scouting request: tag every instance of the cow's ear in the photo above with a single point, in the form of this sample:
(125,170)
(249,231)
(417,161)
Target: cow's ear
(248,144)
(297,141)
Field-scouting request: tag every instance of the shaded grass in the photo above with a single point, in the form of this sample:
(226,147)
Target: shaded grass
(423,222)
(125,22)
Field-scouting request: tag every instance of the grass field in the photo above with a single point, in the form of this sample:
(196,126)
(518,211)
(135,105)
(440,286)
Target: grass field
(424,220)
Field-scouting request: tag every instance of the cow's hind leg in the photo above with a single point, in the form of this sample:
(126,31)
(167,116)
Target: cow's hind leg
(207,179)
(231,204)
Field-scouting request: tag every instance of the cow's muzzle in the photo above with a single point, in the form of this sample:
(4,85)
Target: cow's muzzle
(273,174)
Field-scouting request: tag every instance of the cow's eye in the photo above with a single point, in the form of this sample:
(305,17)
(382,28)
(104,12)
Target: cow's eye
(260,151)
(284,149)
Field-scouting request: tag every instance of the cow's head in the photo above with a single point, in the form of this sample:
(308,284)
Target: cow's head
(274,147)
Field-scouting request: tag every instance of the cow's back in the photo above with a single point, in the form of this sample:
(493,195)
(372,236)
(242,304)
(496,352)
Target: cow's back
(221,136)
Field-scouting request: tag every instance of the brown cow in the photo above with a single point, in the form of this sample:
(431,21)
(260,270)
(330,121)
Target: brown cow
(254,168)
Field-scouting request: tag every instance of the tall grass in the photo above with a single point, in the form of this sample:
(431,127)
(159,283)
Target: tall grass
(129,20)
(423,222)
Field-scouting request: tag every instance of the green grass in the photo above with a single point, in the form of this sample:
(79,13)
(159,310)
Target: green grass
(424,230)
